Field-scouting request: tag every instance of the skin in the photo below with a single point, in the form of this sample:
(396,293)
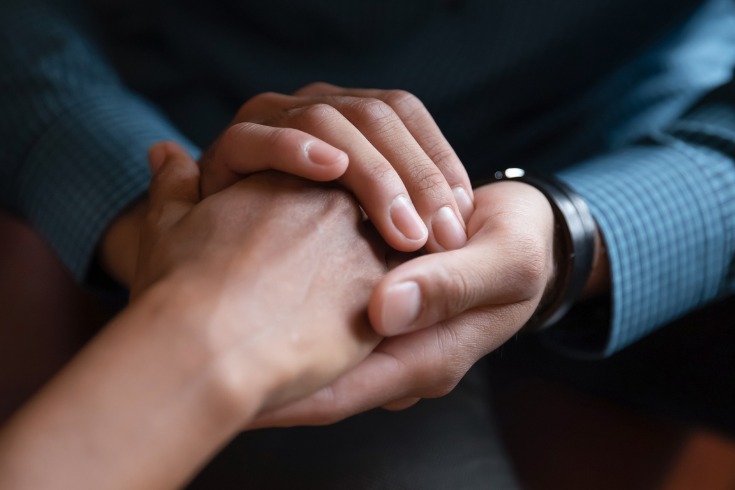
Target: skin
(262,285)
(381,145)
(234,313)
(440,312)
(471,301)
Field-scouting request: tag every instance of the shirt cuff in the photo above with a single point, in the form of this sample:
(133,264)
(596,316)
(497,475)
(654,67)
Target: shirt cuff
(666,212)
(86,168)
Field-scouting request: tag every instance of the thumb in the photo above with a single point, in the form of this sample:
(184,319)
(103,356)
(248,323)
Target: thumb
(436,287)
(174,188)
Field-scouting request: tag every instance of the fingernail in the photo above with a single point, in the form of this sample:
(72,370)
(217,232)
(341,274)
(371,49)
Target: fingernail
(448,231)
(407,220)
(401,307)
(322,153)
(463,202)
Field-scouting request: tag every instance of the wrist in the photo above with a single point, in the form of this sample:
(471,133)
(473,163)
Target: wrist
(575,246)
(144,396)
(230,385)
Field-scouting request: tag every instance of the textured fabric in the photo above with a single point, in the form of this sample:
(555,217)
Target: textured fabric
(603,93)
(74,140)
(662,228)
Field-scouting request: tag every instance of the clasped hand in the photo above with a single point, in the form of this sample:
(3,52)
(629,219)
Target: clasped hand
(489,260)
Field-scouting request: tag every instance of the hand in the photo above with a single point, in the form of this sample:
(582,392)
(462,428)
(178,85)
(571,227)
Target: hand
(283,267)
(240,313)
(395,157)
(443,312)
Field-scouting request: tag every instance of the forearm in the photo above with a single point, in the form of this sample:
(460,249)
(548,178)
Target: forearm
(664,212)
(140,407)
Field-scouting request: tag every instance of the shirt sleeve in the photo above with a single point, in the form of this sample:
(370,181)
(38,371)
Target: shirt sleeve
(74,139)
(666,209)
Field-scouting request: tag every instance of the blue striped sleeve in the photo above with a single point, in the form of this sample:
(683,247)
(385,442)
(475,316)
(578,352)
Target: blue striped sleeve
(74,140)
(666,208)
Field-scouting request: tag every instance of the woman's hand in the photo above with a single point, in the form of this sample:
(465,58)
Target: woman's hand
(244,301)
(287,265)
(382,145)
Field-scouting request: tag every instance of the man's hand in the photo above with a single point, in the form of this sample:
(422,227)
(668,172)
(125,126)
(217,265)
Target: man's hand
(397,160)
(442,312)
(383,145)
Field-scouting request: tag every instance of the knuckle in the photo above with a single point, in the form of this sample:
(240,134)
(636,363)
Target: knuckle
(376,116)
(442,154)
(316,115)
(465,291)
(381,172)
(404,103)
(375,109)
(427,179)
(255,105)
(315,87)
(263,98)
(233,134)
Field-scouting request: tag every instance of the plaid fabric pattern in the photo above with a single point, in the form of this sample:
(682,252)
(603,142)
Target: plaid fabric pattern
(73,137)
(668,217)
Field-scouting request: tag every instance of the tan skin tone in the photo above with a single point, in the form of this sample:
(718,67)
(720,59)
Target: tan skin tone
(457,300)
(489,264)
(213,337)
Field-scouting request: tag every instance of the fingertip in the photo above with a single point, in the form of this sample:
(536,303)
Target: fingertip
(448,230)
(156,157)
(408,223)
(175,174)
(164,152)
(464,202)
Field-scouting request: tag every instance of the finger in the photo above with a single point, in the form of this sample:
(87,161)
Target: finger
(401,404)
(398,163)
(174,188)
(424,364)
(427,187)
(378,380)
(372,179)
(248,147)
(507,260)
(424,129)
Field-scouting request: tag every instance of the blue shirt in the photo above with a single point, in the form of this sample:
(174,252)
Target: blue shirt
(619,99)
